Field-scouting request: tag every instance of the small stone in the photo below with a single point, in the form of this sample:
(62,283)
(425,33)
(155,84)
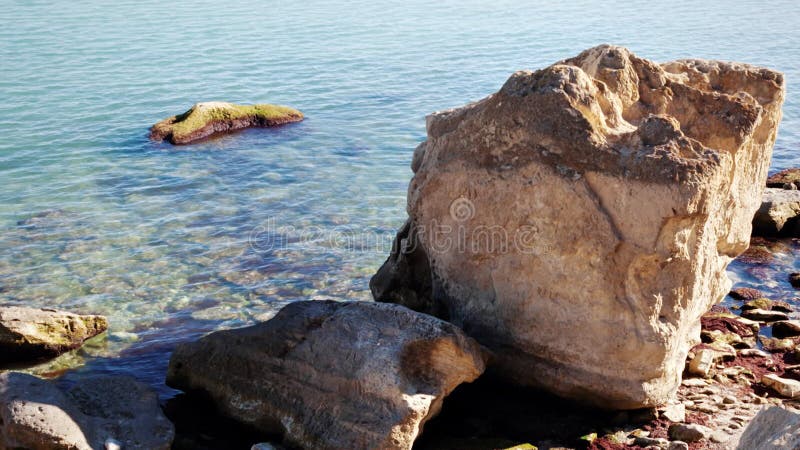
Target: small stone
(648,442)
(674,412)
(734,426)
(719,436)
(688,403)
(753,352)
(678,445)
(746,293)
(763,315)
(688,432)
(708,409)
(263,446)
(694,382)
(701,363)
(777,345)
(784,386)
(786,328)
(113,444)
(758,303)
(729,400)
(794,279)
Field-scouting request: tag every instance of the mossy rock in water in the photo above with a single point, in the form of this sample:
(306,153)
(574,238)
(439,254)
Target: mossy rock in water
(206,119)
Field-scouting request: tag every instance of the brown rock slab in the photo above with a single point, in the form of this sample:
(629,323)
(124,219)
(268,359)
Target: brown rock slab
(786,329)
(356,375)
(784,177)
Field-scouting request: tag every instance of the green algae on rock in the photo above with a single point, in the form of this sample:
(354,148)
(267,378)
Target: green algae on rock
(32,333)
(205,119)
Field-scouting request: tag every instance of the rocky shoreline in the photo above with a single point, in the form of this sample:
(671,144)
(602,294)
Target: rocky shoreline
(557,285)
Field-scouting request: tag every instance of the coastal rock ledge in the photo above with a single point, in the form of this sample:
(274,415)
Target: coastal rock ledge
(206,119)
(325,374)
(579,221)
(35,333)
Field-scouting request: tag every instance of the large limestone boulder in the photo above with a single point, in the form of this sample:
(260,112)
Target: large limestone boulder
(773,428)
(579,221)
(355,375)
(96,413)
(33,333)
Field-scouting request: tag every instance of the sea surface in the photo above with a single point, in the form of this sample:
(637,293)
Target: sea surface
(173,242)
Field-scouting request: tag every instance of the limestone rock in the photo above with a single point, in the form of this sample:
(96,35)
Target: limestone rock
(33,333)
(356,375)
(579,221)
(746,293)
(205,119)
(773,428)
(763,315)
(688,432)
(35,414)
(778,213)
(784,177)
(784,386)
(702,363)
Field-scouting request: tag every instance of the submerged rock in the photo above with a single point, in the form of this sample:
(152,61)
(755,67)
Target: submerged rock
(356,375)
(773,428)
(606,195)
(205,119)
(35,414)
(778,214)
(35,333)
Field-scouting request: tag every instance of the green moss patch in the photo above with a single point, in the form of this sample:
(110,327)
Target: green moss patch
(205,119)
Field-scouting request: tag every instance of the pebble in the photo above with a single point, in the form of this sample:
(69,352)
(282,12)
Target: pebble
(719,436)
(688,432)
(708,409)
(648,441)
(678,445)
(113,444)
(694,382)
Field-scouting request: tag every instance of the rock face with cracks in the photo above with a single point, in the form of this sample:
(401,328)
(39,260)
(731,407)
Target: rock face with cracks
(579,221)
(355,375)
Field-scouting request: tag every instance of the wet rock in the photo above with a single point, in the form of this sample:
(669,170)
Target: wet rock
(763,315)
(746,293)
(778,213)
(784,386)
(688,432)
(97,412)
(35,333)
(794,279)
(786,328)
(605,142)
(773,428)
(205,119)
(374,373)
(784,177)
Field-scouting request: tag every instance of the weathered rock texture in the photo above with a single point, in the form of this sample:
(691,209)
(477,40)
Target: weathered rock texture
(35,414)
(579,221)
(208,118)
(33,333)
(773,428)
(778,214)
(353,375)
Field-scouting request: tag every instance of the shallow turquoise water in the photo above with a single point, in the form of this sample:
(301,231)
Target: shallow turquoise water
(171,243)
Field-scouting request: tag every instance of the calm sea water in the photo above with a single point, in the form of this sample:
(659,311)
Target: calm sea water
(171,243)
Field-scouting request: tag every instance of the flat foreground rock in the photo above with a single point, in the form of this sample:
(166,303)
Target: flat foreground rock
(355,375)
(37,415)
(579,221)
(206,119)
(34,333)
